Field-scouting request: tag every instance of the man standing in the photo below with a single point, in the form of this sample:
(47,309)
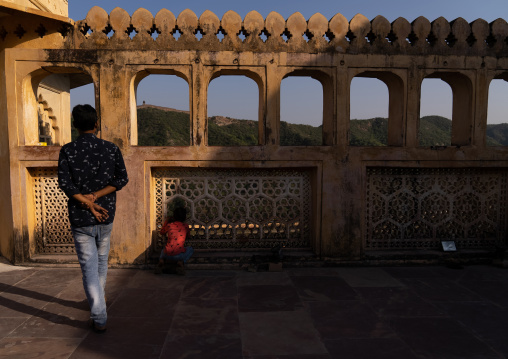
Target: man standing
(90,171)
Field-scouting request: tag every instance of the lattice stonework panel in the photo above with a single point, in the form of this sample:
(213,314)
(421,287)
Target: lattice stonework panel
(417,208)
(52,227)
(258,208)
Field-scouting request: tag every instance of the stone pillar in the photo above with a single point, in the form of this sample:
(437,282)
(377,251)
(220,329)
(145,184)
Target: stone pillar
(112,107)
(198,104)
(414,88)
(483,81)
(329,114)
(397,96)
(128,244)
(343,106)
(6,210)
(462,112)
(272,120)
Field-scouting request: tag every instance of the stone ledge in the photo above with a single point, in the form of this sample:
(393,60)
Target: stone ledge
(426,257)
(62,260)
(260,260)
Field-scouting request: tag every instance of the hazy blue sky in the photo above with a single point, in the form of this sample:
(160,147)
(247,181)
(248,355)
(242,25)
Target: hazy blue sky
(301,99)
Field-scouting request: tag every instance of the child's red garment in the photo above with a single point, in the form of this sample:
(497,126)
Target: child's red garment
(177,233)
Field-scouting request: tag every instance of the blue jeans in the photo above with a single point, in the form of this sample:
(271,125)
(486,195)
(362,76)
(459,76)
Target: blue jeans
(92,247)
(179,257)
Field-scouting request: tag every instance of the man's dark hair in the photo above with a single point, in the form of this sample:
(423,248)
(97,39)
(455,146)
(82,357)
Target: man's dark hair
(84,117)
(180,214)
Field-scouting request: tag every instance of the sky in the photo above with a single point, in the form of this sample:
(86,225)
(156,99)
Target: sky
(301,98)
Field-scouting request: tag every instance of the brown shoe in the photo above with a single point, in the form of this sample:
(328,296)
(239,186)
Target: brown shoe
(96,328)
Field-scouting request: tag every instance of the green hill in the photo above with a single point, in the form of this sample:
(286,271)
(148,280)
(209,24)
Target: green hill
(159,126)
(300,135)
(225,131)
(497,135)
(373,132)
(435,131)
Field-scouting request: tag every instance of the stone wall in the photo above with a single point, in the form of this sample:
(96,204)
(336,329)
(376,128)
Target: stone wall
(351,209)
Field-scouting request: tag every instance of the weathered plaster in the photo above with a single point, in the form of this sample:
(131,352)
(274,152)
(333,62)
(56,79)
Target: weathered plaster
(116,65)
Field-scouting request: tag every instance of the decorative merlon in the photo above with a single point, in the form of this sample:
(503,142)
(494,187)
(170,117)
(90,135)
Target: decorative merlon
(295,34)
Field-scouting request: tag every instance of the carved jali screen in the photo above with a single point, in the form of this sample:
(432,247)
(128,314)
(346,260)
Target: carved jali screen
(230,208)
(52,228)
(417,208)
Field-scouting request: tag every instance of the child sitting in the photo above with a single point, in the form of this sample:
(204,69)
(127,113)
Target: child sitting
(175,251)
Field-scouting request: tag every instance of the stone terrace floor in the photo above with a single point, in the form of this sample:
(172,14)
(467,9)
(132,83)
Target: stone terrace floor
(321,313)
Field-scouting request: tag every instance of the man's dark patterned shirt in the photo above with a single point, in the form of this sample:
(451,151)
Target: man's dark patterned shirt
(88,165)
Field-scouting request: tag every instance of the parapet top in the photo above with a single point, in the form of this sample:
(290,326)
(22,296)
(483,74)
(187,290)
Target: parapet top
(295,34)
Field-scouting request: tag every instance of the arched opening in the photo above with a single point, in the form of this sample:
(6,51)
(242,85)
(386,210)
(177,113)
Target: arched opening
(446,117)
(369,108)
(49,95)
(435,127)
(162,110)
(233,110)
(497,112)
(301,111)
(81,95)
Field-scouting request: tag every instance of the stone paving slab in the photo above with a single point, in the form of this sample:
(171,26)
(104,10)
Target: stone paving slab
(279,333)
(299,313)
